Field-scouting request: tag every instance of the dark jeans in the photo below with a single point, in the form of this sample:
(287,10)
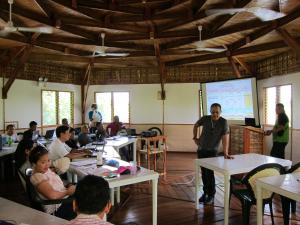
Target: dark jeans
(208,177)
(278,149)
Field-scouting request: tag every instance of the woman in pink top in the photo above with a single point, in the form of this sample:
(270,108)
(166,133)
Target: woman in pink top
(49,185)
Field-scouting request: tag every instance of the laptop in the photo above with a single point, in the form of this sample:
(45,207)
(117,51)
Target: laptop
(49,134)
(131,132)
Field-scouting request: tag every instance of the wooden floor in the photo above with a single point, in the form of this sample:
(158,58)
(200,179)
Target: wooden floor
(175,200)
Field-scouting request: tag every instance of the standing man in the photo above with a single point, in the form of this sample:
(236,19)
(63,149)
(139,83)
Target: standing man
(280,132)
(214,129)
(94,116)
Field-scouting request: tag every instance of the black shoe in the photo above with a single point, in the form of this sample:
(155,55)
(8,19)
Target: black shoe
(209,200)
(202,198)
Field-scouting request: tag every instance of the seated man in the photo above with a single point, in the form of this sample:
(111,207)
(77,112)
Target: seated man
(100,132)
(10,135)
(31,133)
(58,148)
(113,128)
(83,137)
(72,142)
(92,201)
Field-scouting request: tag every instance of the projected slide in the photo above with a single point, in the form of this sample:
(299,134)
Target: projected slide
(235,96)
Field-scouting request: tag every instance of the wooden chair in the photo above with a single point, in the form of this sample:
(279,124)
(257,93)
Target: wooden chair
(247,194)
(154,147)
(289,204)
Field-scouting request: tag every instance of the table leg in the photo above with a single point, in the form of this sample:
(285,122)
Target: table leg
(118,194)
(259,210)
(134,151)
(197,186)
(112,196)
(226,198)
(154,201)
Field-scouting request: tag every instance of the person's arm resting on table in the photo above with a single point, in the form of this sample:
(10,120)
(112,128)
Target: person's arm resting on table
(225,143)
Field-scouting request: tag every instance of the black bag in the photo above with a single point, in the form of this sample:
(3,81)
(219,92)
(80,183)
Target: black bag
(148,133)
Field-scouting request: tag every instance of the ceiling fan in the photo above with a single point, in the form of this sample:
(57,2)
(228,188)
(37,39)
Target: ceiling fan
(199,43)
(101,50)
(9,27)
(263,14)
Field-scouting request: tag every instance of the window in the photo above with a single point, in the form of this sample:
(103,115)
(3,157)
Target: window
(57,105)
(279,94)
(112,104)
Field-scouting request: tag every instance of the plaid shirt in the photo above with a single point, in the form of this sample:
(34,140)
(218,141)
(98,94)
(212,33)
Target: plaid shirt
(84,219)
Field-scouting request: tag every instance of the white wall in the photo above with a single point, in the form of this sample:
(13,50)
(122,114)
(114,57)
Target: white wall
(292,150)
(23,102)
(181,104)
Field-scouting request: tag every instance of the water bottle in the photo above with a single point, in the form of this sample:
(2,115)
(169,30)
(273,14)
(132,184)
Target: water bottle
(99,159)
(9,141)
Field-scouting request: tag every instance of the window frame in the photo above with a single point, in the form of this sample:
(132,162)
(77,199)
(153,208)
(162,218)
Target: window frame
(57,107)
(112,103)
(277,100)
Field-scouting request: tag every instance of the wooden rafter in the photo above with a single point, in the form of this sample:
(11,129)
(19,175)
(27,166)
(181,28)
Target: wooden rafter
(44,7)
(18,68)
(14,53)
(241,51)
(289,40)
(103,22)
(244,65)
(234,67)
(84,91)
(110,6)
(238,44)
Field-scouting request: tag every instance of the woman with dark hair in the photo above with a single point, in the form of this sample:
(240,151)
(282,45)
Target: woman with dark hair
(49,185)
(22,155)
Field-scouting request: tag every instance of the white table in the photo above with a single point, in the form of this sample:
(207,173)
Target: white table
(285,185)
(240,164)
(120,142)
(7,150)
(22,214)
(140,176)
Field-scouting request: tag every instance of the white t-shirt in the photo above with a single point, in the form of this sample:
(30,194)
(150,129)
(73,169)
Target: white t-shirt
(58,149)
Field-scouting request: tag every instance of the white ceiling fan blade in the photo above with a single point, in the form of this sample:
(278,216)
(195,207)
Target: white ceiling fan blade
(211,49)
(100,49)
(265,14)
(117,54)
(210,12)
(44,30)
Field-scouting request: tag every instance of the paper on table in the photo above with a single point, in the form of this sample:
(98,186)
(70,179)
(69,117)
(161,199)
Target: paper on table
(84,162)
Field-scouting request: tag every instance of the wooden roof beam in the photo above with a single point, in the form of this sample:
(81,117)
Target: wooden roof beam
(101,20)
(110,6)
(241,51)
(234,67)
(265,30)
(18,68)
(289,40)
(84,91)
(244,65)
(13,53)
(44,7)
